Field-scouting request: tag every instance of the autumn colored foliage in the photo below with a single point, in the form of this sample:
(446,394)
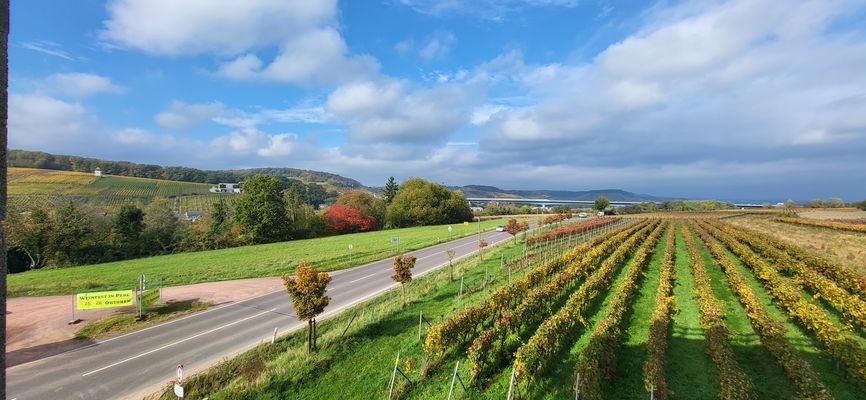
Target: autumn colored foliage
(307,290)
(342,219)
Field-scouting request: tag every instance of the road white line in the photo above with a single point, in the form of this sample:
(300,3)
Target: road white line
(361,278)
(178,342)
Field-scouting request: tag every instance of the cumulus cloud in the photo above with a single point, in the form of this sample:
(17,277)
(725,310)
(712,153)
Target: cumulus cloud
(310,48)
(391,111)
(39,121)
(77,84)
(734,82)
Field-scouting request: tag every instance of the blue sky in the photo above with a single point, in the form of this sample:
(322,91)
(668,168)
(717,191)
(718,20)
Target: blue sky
(753,99)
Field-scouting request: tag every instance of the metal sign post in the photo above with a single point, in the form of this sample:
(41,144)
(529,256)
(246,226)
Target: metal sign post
(350,254)
(178,389)
(449,233)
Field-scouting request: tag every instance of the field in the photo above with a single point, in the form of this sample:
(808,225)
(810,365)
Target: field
(107,191)
(688,309)
(328,254)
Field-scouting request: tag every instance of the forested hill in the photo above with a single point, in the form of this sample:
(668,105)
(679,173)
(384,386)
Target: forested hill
(35,159)
(612,194)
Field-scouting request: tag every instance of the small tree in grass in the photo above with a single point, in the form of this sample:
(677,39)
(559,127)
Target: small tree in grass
(513,227)
(451,253)
(403,273)
(307,290)
(481,245)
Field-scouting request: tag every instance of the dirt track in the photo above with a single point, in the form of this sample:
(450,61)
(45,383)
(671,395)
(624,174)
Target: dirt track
(37,327)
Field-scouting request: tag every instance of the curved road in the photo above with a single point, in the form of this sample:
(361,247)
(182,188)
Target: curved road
(138,363)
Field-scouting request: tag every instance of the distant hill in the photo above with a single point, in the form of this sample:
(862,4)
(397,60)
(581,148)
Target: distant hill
(611,194)
(40,160)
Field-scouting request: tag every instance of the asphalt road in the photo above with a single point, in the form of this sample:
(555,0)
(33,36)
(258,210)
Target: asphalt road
(136,364)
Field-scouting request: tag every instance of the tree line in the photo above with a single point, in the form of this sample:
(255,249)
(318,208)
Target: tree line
(36,159)
(270,209)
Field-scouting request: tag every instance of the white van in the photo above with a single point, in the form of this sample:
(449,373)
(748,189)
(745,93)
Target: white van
(582,215)
(600,213)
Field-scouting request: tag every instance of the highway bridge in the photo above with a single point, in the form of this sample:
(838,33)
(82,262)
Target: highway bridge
(481,201)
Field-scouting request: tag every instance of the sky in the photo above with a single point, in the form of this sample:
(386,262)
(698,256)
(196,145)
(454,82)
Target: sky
(753,99)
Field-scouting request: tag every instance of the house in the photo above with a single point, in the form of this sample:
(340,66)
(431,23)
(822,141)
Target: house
(193,215)
(227,188)
(97,172)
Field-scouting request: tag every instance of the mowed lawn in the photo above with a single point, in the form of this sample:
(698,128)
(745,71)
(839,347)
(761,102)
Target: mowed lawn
(327,254)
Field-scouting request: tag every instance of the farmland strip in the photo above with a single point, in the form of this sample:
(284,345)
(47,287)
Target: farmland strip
(552,334)
(454,329)
(734,383)
(660,322)
(597,358)
(851,306)
(772,332)
(842,226)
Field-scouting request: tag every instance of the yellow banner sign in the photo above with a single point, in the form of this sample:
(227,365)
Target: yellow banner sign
(93,300)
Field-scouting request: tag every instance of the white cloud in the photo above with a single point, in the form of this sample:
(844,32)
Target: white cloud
(485,9)
(41,122)
(310,48)
(404,46)
(49,48)
(77,85)
(389,111)
(180,115)
(439,45)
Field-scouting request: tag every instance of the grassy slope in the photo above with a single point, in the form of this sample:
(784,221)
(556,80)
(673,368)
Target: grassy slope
(688,367)
(328,254)
(358,365)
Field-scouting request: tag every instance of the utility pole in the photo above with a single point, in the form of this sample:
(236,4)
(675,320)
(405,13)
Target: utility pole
(4,116)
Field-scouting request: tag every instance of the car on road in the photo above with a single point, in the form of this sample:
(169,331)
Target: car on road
(582,215)
(500,228)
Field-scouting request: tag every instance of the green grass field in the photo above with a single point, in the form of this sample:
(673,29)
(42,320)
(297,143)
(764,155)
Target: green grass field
(328,254)
(108,191)
(360,364)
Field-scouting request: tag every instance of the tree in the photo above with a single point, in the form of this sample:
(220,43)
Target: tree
(513,227)
(160,226)
(451,253)
(72,230)
(31,231)
(126,230)
(481,245)
(861,205)
(348,220)
(260,210)
(307,290)
(403,273)
(219,221)
(420,202)
(365,202)
(315,195)
(391,189)
(601,203)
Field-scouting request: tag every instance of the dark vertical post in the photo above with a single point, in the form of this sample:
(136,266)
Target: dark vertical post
(4,116)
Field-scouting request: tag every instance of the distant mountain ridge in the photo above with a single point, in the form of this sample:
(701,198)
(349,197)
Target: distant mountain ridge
(589,195)
(42,160)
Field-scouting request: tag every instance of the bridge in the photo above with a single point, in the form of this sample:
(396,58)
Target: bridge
(480,201)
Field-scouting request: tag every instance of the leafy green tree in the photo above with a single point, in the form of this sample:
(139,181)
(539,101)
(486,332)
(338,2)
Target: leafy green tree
(315,195)
(127,227)
(420,202)
(31,230)
(403,273)
(73,229)
(307,290)
(601,203)
(861,205)
(391,189)
(365,202)
(219,221)
(260,210)
(160,226)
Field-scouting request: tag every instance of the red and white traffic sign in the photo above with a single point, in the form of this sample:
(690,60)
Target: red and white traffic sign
(180,374)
